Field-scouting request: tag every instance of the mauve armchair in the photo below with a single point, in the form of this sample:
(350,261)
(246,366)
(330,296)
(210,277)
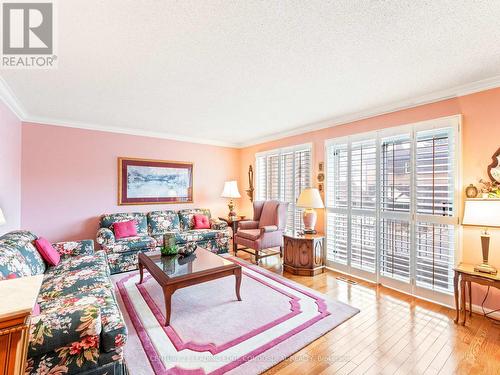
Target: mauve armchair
(265,231)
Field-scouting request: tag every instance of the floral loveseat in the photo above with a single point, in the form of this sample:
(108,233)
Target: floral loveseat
(152,229)
(80,328)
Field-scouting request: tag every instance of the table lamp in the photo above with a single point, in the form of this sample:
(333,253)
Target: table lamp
(310,199)
(483,213)
(2,218)
(231,191)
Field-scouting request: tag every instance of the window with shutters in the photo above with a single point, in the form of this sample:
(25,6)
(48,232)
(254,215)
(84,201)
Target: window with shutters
(391,205)
(282,174)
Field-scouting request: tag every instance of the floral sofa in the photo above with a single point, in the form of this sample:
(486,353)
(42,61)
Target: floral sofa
(80,328)
(153,229)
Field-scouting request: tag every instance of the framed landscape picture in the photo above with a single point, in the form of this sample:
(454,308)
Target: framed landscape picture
(145,181)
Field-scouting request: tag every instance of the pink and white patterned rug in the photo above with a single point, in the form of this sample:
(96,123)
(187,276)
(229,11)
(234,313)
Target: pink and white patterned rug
(211,332)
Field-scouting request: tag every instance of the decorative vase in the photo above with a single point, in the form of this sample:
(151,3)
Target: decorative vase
(471,191)
(170,248)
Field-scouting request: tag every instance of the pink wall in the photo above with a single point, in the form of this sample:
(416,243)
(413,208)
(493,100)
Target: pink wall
(69,176)
(10,169)
(481,138)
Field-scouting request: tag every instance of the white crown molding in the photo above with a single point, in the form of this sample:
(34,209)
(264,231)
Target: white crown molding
(10,99)
(128,131)
(434,97)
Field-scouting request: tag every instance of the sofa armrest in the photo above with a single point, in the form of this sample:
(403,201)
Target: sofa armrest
(217,224)
(57,328)
(72,248)
(248,224)
(269,228)
(105,237)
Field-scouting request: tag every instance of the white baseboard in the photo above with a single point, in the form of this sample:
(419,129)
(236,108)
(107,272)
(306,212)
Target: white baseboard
(477,309)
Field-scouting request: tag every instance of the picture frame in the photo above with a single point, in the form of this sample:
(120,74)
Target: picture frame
(149,181)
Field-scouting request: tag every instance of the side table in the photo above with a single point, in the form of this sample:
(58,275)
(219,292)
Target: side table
(464,276)
(304,254)
(232,223)
(18,297)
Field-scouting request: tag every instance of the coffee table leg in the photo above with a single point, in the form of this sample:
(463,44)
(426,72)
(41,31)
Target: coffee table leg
(141,272)
(167,292)
(462,293)
(455,288)
(237,273)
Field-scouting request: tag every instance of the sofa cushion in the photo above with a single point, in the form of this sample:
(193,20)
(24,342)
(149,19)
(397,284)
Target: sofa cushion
(186,217)
(75,275)
(124,229)
(107,221)
(47,251)
(96,262)
(251,234)
(22,242)
(197,235)
(54,329)
(160,222)
(201,222)
(132,243)
(12,262)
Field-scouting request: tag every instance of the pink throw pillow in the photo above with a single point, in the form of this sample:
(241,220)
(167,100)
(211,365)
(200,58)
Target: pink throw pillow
(125,229)
(47,251)
(201,222)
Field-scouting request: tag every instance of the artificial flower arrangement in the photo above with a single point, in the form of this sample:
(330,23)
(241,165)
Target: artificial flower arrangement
(489,189)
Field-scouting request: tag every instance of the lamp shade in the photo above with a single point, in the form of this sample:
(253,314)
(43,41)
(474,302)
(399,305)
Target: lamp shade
(2,218)
(310,198)
(230,190)
(482,212)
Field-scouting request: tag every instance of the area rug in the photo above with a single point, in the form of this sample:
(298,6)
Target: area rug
(211,332)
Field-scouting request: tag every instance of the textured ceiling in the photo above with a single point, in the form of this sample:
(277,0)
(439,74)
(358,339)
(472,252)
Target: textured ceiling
(236,71)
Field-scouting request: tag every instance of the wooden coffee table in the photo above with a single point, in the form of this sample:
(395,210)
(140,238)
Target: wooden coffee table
(173,272)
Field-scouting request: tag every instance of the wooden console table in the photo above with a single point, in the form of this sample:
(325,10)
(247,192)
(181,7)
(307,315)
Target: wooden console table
(18,297)
(303,254)
(464,276)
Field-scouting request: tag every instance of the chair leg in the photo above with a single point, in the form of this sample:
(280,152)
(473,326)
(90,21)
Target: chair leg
(281,251)
(235,248)
(256,257)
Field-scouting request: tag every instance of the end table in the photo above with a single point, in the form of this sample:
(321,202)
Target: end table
(304,254)
(232,223)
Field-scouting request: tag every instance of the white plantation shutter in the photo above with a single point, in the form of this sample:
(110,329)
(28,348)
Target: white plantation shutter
(337,219)
(434,172)
(435,255)
(281,175)
(363,237)
(337,176)
(273,178)
(302,180)
(363,174)
(288,181)
(336,244)
(395,249)
(436,208)
(395,197)
(260,178)
(392,206)
(395,171)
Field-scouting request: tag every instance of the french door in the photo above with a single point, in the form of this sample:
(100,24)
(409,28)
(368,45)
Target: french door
(392,205)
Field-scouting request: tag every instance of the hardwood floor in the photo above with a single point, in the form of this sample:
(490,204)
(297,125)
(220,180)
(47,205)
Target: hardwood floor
(393,334)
